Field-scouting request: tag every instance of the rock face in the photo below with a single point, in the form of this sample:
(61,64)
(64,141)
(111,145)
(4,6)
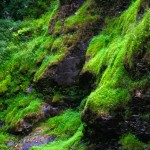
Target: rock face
(25,125)
(69,7)
(137,122)
(66,73)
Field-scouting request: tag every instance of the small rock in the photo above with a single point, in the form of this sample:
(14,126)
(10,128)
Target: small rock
(11,143)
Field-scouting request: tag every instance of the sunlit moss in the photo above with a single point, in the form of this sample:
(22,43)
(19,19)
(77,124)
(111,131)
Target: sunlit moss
(70,127)
(20,107)
(72,142)
(106,57)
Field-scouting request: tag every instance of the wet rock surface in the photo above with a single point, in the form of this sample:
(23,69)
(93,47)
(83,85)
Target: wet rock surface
(138,120)
(33,139)
(25,125)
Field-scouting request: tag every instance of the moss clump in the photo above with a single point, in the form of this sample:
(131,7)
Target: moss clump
(130,142)
(4,84)
(67,123)
(19,107)
(70,127)
(72,142)
(106,55)
(85,15)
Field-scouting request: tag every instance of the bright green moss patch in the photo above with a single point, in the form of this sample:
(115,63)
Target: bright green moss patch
(103,103)
(79,20)
(72,142)
(69,125)
(66,124)
(21,106)
(107,55)
(67,129)
(130,142)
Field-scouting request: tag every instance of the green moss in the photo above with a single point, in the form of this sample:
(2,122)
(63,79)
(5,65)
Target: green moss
(66,124)
(4,138)
(69,125)
(85,14)
(130,142)
(72,142)
(58,27)
(57,53)
(107,54)
(43,48)
(57,97)
(20,107)
(79,20)
(24,46)
(5,83)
